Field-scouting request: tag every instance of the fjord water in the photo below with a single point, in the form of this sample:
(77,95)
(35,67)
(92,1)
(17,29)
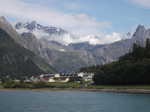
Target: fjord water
(67,101)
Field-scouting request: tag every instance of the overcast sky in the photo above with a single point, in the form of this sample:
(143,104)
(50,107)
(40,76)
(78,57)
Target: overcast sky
(80,16)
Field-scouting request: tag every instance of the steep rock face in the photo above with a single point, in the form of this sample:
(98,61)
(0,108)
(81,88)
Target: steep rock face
(32,43)
(62,58)
(113,51)
(71,60)
(18,43)
(6,26)
(140,33)
(16,60)
(50,44)
(29,38)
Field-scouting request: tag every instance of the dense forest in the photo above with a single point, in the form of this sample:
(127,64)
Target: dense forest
(131,69)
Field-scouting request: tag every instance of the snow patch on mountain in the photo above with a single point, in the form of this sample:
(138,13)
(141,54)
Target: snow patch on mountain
(64,37)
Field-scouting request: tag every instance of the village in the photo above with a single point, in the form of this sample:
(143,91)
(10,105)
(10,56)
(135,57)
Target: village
(58,78)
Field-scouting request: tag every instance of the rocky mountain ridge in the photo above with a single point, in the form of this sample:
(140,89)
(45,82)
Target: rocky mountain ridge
(52,33)
(71,57)
(14,58)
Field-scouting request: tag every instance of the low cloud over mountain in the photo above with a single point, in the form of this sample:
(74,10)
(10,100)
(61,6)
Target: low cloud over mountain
(64,37)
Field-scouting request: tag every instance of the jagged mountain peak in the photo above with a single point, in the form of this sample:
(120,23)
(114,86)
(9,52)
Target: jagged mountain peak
(141,33)
(44,32)
(140,28)
(129,34)
(29,25)
(33,26)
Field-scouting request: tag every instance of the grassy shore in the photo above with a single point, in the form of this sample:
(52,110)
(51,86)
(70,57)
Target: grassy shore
(120,87)
(133,89)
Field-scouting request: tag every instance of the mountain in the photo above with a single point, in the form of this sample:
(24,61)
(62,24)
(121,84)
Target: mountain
(70,53)
(6,26)
(33,26)
(49,33)
(59,55)
(15,59)
(62,58)
(52,33)
(130,69)
(112,52)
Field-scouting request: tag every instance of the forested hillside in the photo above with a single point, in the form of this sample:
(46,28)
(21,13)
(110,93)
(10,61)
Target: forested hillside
(131,69)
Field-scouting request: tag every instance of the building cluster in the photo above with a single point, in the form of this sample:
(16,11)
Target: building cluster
(62,78)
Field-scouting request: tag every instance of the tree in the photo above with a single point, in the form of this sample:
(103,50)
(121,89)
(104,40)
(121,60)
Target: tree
(148,43)
(130,69)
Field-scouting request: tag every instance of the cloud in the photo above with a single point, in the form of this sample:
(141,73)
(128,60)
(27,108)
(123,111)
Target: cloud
(110,38)
(102,39)
(143,3)
(78,23)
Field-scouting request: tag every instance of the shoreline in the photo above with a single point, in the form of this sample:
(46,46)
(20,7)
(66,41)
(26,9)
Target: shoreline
(129,91)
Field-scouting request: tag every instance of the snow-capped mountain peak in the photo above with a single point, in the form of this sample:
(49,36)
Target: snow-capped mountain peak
(33,25)
(45,32)
(62,36)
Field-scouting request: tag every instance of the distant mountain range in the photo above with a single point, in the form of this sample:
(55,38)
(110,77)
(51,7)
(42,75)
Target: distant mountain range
(63,50)
(54,33)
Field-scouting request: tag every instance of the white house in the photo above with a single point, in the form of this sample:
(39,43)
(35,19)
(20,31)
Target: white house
(81,74)
(86,76)
(57,75)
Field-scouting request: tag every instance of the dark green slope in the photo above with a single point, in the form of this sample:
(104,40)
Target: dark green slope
(16,60)
(131,69)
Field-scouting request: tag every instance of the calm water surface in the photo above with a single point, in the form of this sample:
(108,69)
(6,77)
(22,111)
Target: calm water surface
(30,101)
